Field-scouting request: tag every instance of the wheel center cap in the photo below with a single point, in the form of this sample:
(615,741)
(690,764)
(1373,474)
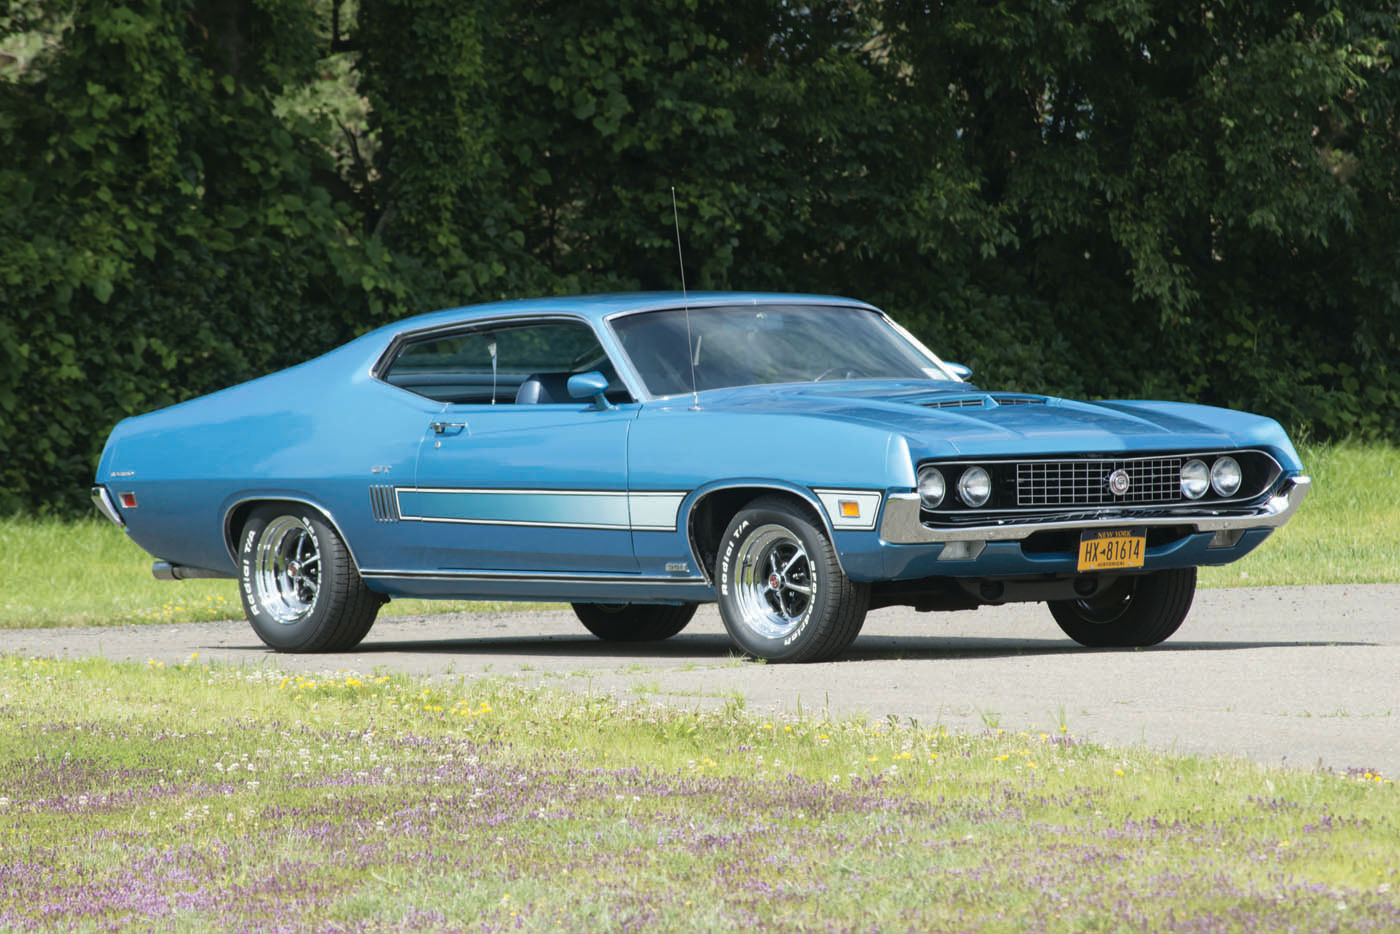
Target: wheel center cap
(774,582)
(294,570)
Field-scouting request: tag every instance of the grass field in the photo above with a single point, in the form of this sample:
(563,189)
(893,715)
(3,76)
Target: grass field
(88,573)
(1346,532)
(193,797)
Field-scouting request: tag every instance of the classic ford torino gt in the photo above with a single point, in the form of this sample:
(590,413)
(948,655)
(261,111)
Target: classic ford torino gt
(800,459)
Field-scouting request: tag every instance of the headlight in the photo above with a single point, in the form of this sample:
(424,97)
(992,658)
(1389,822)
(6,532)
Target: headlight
(1226,476)
(932,488)
(975,486)
(1195,479)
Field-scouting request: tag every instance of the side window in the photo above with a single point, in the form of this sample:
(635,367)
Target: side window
(532,364)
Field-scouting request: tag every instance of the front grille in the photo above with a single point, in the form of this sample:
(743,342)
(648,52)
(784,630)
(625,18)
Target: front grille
(1085,482)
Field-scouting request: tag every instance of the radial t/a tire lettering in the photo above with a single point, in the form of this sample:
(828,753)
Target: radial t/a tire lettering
(300,589)
(782,594)
(1138,610)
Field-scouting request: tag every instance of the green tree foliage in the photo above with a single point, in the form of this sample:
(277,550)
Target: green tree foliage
(163,233)
(1096,198)
(1200,199)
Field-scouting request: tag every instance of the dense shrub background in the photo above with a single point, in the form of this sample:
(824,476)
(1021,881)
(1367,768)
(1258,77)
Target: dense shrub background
(1093,198)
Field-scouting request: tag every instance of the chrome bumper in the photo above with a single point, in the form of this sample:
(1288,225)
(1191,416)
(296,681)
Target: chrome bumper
(901,525)
(103,501)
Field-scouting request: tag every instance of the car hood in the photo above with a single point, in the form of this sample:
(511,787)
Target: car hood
(940,420)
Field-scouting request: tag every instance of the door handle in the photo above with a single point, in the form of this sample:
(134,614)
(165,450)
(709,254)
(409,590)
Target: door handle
(442,428)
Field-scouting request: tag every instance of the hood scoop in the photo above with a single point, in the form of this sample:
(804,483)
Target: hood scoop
(982,401)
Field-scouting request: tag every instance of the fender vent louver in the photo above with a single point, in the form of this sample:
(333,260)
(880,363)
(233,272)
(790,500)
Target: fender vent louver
(1018,400)
(384,504)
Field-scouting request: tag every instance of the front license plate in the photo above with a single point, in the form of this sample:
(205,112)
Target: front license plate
(1112,549)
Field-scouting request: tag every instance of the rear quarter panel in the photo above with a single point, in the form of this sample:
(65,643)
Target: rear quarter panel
(312,433)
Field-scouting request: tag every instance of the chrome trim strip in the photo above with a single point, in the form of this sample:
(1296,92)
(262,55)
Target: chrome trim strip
(231,535)
(103,501)
(652,511)
(901,525)
(801,492)
(561,577)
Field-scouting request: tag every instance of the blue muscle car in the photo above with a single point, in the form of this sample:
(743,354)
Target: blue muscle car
(799,459)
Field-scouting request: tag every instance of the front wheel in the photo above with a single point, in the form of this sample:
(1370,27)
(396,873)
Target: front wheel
(299,587)
(1136,611)
(782,594)
(633,622)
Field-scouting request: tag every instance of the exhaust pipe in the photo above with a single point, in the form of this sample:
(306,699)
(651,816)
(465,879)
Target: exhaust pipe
(165,571)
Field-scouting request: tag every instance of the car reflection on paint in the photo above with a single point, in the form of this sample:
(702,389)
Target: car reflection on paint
(798,459)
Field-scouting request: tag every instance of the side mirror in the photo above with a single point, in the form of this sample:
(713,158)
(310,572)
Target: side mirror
(963,373)
(592,385)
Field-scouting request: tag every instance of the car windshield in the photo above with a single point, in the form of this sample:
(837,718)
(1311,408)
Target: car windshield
(744,345)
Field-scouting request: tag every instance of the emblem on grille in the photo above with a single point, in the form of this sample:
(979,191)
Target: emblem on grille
(1118,482)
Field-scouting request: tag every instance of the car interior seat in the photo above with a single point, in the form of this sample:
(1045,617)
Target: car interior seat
(543,388)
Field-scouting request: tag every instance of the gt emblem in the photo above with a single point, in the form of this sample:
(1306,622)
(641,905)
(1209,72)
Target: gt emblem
(1118,482)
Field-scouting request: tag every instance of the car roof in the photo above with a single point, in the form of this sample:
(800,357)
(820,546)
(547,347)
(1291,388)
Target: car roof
(598,307)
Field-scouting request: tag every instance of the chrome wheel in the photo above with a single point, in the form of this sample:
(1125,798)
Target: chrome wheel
(783,595)
(287,571)
(774,584)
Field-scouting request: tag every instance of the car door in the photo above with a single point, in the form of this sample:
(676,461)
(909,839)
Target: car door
(512,473)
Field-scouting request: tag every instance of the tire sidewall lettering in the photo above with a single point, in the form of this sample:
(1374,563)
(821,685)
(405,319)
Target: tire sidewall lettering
(725,563)
(247,578)
(796,634)
(250,593)
(728,572)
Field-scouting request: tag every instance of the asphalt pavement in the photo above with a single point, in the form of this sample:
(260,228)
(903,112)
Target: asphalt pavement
(1294,676)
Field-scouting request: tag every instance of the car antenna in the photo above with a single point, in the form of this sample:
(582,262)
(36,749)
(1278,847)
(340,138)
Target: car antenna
(685,297)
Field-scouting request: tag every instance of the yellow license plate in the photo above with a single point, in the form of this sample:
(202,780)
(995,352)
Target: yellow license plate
(1112,549)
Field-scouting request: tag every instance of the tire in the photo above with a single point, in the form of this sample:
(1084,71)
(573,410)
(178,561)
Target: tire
(299,586)
(633,622)
(782,594)
(1136,611)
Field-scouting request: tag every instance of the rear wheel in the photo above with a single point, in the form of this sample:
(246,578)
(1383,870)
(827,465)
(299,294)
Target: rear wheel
(782,594)
(633,622)
(299,587)
(1136,611)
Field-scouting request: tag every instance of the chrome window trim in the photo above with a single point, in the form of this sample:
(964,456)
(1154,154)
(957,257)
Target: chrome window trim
(792,300)
(396,344)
